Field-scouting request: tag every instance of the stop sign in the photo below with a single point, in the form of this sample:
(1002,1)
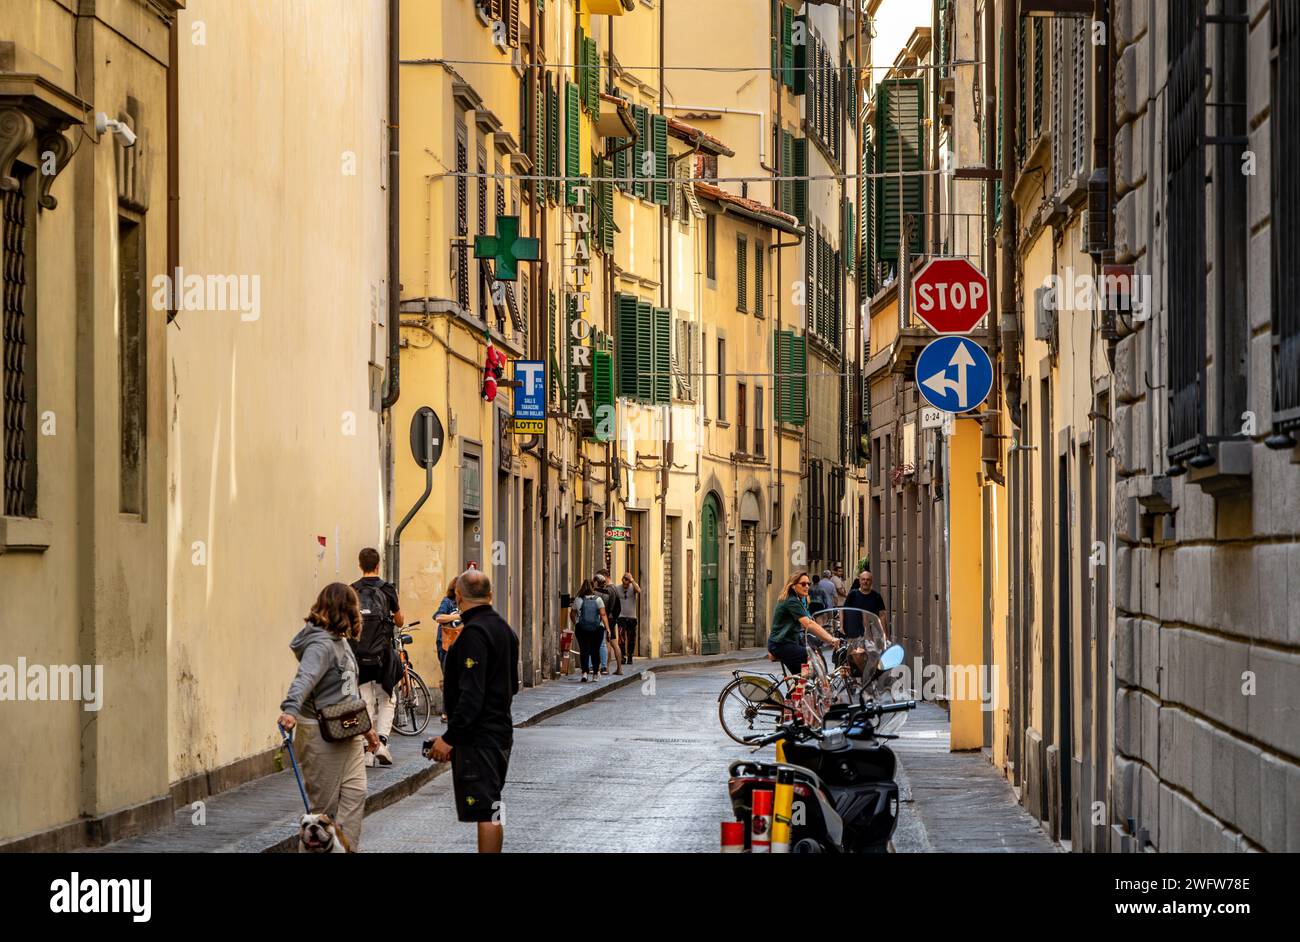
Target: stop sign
(950,295)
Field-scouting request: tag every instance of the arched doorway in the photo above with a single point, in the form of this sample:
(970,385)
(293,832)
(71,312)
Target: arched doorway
(710,514)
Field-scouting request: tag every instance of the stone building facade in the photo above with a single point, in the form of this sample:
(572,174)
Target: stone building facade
(1207,493)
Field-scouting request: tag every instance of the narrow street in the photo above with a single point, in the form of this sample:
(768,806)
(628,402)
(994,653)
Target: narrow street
(635,771)
(630,771)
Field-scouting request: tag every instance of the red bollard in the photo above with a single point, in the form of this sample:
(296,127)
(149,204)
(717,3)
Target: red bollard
(760,823)
(733,837)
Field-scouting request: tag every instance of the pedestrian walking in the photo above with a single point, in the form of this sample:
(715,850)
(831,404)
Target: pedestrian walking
(482,676)
(790,619)
(381,616)
(449,624)
(590,624)
(629,608)
(841,588)
(609,644)
(864,597)
(332,769)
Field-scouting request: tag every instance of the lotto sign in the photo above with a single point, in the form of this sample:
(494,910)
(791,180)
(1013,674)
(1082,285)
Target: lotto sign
(954,374)
(950,295)
(530,398)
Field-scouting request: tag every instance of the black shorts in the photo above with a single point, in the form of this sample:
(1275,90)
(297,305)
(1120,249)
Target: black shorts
(478,773)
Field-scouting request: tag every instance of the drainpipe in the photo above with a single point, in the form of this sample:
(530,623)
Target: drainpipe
(394,273)
(173,161)
(1009,328)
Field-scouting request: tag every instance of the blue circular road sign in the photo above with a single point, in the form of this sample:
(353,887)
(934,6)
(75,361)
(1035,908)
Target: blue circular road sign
(954,374)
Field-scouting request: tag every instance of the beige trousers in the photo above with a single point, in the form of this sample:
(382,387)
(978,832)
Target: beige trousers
(335,776)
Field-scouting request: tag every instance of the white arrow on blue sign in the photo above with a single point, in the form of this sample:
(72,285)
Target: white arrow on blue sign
(954,374)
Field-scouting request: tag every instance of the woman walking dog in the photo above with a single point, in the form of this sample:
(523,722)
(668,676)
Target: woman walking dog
(322,706)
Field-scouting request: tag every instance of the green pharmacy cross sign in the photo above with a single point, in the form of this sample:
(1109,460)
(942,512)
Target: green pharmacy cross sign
(507,248)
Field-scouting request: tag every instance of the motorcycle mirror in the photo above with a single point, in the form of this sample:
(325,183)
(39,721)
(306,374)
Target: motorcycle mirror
(891,658)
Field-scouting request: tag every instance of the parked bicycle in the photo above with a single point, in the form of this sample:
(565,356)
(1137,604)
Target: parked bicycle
(414,706)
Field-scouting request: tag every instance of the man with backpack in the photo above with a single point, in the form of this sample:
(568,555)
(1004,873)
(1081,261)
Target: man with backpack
(591,625)
(605,589)
(377,662)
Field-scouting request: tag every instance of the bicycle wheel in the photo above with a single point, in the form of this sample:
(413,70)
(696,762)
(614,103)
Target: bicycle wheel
(414,708)
(750,707)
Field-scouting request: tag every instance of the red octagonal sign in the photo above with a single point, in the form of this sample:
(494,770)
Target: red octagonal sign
(950,295)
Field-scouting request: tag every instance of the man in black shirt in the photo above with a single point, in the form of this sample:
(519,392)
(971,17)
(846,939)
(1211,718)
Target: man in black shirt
(864,597)
(479,683)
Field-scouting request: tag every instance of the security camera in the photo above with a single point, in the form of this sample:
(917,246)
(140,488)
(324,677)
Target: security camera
(124,135)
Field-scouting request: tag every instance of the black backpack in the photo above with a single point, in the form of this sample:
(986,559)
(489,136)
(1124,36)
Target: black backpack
(376,625)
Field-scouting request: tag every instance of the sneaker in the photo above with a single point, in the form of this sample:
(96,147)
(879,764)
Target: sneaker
(584,678)
(370,760)
(383,756)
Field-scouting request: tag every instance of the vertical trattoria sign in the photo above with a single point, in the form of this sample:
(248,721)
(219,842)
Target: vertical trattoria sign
(580,329)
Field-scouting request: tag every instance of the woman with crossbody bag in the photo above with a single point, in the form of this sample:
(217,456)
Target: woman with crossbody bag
(328,715)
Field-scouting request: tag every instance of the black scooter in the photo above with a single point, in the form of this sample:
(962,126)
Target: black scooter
(845,797)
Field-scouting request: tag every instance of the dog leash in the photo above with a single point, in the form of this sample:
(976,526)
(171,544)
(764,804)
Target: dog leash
(288,742)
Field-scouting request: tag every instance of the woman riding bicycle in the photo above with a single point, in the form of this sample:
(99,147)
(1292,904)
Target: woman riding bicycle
(789,622)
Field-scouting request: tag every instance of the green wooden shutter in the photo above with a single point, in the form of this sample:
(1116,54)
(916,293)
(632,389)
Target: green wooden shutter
(742,262)
(663,356)
(787,46)
(787,167)
(849,237)
(798,372)
(625,308)
(799,75)
(607,209)
(642,118)
(869,251)
(572,141)
(602,394)
(619,146)
(570,369)
(800,187)
(552,348)
(780,354)
(553,137)
(1038,77)
(645,348)
(659,138)
(593,75)
(899,148)
(759,264)
(539,137)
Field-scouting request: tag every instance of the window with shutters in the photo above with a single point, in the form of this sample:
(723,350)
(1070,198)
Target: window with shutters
(132,364)
(602,394)
(848,234)
(816,510)
(742,433)
(662,391)
(572,141)
(774,37)
(760,266)
(643,142)
(742,260)
(722,380)
(711,247)
(644,348)
(17,342)
(1285,121)
(799,169)
(899,154)
(791,371)
(659,141)
(760,433)
(685,359)
(553,136)
(462,218)
(787,46)
(1206,140)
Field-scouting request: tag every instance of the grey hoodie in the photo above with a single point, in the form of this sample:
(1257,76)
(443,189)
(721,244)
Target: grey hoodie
(319,676)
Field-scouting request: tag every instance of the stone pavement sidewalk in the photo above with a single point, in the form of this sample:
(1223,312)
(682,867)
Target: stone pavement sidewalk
(956,801)
(262,815)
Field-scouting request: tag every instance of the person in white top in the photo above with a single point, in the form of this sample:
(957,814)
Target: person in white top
(629,598)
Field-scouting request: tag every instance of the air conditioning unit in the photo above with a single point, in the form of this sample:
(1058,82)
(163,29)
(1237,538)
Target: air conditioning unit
(1045,305)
